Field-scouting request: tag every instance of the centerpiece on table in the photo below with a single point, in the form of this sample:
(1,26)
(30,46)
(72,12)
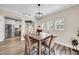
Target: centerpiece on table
(39,29)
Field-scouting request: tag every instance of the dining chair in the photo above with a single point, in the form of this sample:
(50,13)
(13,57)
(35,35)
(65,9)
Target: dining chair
(49,43)
(29,44)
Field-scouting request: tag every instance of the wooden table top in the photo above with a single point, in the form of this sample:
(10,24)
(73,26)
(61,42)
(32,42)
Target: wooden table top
(40,36)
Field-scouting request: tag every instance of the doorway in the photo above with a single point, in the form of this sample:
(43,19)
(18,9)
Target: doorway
(8,30)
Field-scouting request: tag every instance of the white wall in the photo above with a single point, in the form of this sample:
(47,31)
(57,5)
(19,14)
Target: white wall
(17,23)
(2,28)
(71,17)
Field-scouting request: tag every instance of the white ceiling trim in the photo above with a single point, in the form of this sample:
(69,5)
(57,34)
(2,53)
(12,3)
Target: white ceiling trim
(12,11)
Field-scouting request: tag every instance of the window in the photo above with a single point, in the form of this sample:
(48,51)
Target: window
(48,25)
(44,25)
(59,24)
(51,25)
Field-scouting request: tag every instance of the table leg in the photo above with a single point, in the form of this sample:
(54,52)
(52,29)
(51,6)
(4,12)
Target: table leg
(39,48)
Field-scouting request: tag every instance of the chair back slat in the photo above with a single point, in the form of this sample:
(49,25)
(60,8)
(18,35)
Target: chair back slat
(51,42)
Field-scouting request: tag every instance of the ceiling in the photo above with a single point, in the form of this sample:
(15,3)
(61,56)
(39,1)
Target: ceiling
(31,9)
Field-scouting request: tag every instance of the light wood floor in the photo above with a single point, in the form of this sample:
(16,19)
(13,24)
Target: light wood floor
(12,46)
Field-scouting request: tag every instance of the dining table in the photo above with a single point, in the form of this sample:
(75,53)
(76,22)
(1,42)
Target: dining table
(40,38)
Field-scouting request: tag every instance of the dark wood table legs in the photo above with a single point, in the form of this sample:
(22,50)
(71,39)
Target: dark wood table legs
(39,48)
